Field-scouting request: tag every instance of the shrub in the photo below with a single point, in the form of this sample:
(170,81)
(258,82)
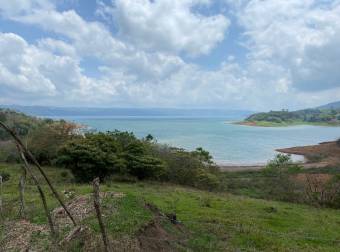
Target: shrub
(45,141)
(207,181)
(5,176)
(106,154)
(278,182)
(323,190)
(188,168)
(8,152)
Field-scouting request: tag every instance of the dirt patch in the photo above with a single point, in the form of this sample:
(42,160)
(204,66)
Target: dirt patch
(19,235)
(247,123)
(327,154)
(153,237)
(80,207)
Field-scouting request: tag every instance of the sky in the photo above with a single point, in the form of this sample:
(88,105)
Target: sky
(230,54)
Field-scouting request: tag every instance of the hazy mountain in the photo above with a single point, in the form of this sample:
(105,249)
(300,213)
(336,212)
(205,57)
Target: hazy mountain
(332,105)
(100,112)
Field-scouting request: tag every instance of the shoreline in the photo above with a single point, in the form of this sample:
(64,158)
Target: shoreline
(316,156)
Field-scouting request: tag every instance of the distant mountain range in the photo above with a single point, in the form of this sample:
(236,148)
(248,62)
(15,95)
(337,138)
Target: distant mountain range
(332,105)
(45,111)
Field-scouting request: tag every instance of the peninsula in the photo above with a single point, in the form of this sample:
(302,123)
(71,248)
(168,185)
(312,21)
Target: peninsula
(327,115)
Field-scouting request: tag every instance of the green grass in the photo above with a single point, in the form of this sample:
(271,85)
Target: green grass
(213,221)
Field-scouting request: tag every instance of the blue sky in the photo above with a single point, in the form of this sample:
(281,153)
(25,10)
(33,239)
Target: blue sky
(232,54)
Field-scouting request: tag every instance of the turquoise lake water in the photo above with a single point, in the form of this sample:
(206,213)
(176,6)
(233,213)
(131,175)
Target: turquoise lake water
(227,142)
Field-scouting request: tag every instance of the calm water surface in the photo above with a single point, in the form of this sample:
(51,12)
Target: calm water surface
(227,142)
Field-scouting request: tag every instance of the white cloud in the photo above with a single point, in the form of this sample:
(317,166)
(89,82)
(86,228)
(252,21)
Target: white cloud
(169,25)
(17,69)
(300,36)
(9,8)
(293,50)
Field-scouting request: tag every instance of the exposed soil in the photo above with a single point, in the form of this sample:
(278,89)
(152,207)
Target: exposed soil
(316,156)
(151,237)
(247,123)
(321,155)
(19,235)
(154,237)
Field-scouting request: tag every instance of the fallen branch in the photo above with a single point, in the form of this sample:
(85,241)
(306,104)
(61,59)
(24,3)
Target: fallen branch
(35,162)
(96,202)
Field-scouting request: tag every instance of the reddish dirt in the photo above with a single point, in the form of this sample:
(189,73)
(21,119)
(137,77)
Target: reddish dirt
(321,155)
(248,123)
(153,237)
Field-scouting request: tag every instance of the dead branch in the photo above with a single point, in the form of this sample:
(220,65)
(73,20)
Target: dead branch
(36,163)
(22,181)
(41,192)
(0,195)
(96,202)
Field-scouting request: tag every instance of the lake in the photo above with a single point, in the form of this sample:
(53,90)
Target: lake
(227,142)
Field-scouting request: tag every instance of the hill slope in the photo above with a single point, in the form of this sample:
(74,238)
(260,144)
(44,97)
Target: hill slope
(328,117)
(332,105)
(137,218)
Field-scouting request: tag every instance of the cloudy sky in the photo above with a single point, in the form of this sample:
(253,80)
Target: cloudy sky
(232,54)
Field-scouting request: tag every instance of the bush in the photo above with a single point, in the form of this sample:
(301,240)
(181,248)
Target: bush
(278,182)
(188,168)
(207,181)
(45,141)
(105,154)
(8,152)
(5,176)
(121,155)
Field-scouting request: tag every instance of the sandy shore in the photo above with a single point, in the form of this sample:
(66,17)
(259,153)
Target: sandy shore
(316,156)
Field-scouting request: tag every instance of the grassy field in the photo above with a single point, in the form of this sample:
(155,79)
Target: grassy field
(208,221)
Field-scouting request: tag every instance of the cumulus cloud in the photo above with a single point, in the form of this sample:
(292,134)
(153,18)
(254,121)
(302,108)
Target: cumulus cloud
(18,70)
(300,36)
(169,25)
(292,55)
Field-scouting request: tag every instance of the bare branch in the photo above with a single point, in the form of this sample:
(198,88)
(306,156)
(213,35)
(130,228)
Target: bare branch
(32,158)
(96,202)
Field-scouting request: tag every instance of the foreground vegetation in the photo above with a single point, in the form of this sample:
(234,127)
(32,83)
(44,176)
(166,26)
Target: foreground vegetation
(208,221)
(112,154)
(323,117)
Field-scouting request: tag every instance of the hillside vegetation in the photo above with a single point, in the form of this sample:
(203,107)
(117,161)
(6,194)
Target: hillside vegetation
(137,217)
(330,117)
(20,122)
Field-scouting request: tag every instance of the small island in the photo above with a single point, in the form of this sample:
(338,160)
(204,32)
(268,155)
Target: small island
(327,115)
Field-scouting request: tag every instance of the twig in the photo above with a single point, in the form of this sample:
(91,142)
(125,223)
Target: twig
(32,158)
(41,192)
(0,195)
(96,202)
(22,181)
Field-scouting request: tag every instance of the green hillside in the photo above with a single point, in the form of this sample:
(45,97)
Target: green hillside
(137,217)
(328,117)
